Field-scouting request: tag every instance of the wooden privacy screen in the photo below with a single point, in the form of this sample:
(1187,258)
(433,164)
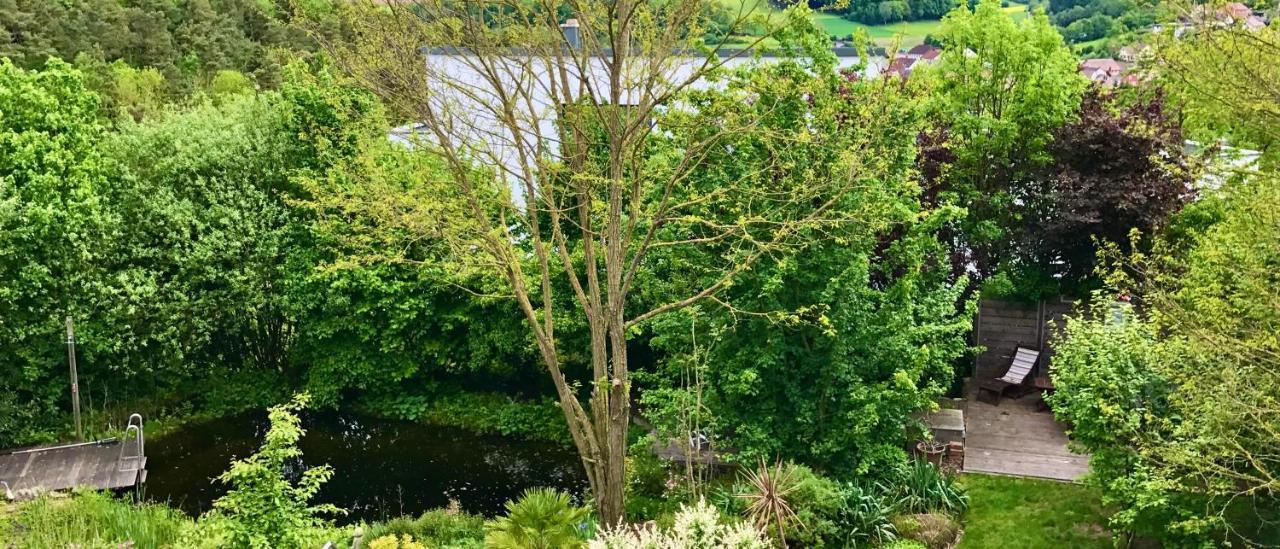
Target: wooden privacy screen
(1001,326)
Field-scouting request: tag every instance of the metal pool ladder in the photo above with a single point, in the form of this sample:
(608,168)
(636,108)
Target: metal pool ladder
(132,448)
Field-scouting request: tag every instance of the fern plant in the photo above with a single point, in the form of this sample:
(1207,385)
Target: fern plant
(541,519)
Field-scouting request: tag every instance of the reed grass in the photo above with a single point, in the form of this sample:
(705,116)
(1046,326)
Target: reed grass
(90,519)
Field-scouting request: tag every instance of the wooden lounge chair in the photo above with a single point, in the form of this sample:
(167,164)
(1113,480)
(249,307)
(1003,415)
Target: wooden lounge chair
(1024,360)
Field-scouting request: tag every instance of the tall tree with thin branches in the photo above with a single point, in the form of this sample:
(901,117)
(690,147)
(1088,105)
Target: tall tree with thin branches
(575,156)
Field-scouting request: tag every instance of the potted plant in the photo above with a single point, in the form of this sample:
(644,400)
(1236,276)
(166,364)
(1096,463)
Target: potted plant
(932,450)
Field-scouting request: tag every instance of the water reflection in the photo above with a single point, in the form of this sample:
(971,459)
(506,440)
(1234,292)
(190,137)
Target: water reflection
(381,468)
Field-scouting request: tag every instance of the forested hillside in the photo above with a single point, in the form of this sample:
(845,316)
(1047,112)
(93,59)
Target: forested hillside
(1085,20)
(144,53)
(889,11)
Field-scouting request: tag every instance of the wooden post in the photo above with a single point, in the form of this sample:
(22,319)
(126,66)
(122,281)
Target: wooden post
(75,378)
(977,340)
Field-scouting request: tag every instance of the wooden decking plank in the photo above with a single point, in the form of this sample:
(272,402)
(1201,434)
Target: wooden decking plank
(66,467)
(1069,468)
(987,441)
(101,470)
(1015,438)
(46,469)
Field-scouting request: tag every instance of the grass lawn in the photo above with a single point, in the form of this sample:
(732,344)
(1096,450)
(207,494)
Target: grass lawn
(1017,513)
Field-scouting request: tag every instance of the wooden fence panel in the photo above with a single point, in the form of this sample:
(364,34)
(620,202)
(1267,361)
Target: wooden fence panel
(1002,326)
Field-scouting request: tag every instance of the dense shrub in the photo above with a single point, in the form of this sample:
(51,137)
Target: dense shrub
(438,528)
(54,233)
(187,252)
(1176,402)
(872,338)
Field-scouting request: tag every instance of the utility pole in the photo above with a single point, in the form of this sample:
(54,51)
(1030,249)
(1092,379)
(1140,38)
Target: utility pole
(75,378)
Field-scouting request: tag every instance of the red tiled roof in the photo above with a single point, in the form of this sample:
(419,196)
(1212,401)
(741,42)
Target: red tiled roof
(924,50)
(900,66)
(1236,10)
(1105,63)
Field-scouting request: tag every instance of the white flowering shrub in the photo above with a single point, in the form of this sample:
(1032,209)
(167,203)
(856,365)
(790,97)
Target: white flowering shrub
(696,527)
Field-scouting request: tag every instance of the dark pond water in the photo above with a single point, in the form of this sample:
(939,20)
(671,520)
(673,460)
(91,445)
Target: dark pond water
(381,468)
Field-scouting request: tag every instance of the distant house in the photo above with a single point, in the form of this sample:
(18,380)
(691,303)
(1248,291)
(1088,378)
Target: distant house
(902,64)
(1229,14)
(1133,54)
(1106,71)
(900,67)
(924,52)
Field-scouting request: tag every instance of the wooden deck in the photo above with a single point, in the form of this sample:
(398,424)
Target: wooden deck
(103,465)
(1016,439)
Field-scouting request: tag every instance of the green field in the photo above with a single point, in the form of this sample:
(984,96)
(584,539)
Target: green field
(909,33)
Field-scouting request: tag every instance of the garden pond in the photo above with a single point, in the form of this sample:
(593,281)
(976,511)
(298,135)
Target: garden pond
(382,468)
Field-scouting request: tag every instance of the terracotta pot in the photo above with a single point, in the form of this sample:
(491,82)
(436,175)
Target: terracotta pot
(932,451)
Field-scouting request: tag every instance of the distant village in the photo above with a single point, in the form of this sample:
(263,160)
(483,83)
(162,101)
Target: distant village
(1113,71)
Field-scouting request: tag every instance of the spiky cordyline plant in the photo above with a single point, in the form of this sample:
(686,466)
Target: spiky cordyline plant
(767,500)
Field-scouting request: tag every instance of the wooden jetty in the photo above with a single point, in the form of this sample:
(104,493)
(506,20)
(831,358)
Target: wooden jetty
(110,464)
